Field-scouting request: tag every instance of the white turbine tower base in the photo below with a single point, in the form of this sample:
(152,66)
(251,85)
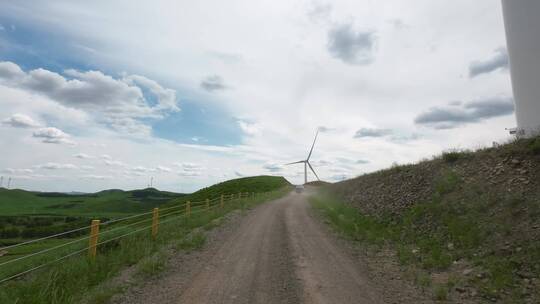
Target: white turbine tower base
(522,24)
(306,161)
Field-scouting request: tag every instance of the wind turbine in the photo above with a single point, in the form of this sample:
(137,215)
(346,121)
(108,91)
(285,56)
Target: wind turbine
(306,161)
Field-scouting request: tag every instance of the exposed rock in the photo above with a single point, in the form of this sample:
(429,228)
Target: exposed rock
(461,289)
(525,274)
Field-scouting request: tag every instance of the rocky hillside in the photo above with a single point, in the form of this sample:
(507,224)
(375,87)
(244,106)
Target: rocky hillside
(508,170)
(467,222)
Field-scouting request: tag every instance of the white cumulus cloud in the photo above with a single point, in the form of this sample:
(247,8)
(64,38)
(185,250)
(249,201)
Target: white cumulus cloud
(56,166)
(249,128)
(163,169)
(117,103)
(83,156)
(20,121)
(52,135)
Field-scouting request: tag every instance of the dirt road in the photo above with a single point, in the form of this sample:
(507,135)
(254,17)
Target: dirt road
(278,253)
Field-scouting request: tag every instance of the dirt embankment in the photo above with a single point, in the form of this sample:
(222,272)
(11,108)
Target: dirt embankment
(470,217)
(512,169)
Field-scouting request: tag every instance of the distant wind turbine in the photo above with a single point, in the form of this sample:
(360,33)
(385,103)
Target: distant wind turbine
(306,161)
(1,181)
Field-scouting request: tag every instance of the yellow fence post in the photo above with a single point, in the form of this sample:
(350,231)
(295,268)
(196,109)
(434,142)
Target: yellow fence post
(188,208)
(155,222)
(94,234)
(207,204)
(221,201)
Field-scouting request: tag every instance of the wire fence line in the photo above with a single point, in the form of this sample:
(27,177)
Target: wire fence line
(81,228)
(44,238)
(186,209)
(193,204)
(85,238)
(83,249)
(20,274)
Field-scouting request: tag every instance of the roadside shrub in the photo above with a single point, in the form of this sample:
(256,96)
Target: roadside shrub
(440,293)
(40,222)
(434,255)
(40,231)
(350,222)
(70,219)
(191,242)
(447,182)
(9,233)
(152,265)
(20,220)
(405,255)
(534,146)
(451,156)
(463,231)
(423,279)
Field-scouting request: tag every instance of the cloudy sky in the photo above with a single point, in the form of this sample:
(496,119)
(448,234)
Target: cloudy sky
(107,94)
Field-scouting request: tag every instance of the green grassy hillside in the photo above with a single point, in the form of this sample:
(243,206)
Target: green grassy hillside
(81,280)
(257,184)
(27,215)
(109,203)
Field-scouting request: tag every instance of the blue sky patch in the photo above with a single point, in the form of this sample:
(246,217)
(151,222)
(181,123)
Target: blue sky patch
(199,123)
(33,47)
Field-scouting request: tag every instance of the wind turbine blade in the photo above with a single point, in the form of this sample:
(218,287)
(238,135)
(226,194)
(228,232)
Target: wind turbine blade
(298,162)
(313,145)
(313,171)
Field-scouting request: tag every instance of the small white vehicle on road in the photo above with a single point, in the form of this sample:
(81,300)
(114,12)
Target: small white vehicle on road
(299,188)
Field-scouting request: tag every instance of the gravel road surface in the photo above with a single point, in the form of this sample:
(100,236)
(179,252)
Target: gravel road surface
(278,253)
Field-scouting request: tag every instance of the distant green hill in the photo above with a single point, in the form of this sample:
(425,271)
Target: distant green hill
(110,203)
(106,203)
(255,184)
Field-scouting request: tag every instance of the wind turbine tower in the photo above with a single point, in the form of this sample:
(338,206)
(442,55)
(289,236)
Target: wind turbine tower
(9,183)
(306,161)
(523,41)
(1,181)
